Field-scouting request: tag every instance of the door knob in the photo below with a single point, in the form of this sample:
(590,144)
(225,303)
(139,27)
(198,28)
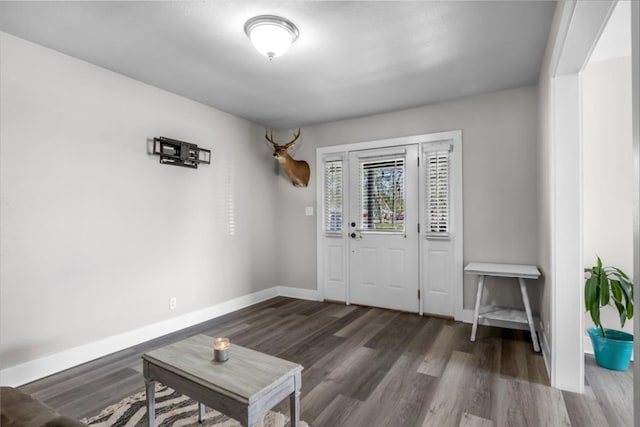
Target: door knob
(353,235)
(353,224)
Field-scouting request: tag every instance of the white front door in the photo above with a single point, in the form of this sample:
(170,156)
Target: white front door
(383,228)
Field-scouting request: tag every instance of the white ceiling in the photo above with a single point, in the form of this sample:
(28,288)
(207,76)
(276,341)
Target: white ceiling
(352,58)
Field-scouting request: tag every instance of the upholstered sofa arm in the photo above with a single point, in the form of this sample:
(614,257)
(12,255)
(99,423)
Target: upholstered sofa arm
(18,409)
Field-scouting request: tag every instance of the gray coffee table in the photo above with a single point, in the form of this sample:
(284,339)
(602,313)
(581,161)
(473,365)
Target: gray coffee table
(244,387)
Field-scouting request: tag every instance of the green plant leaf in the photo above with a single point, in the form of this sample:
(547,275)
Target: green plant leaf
(590,292)
(623,304)
(627,288)
(616,291)
(620,309)
(621,273)
(603,290)
(595,312)
(608,286)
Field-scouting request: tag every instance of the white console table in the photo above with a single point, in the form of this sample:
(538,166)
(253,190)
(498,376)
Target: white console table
(502,314)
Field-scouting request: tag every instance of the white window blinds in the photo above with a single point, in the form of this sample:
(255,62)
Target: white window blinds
(333,196)
(437,190)
(382,198)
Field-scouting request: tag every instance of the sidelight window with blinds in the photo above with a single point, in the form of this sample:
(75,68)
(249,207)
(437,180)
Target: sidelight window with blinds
(436,186)
(382,195)
(333,185)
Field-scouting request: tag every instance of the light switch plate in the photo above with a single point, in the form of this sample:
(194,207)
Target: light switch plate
(308,210)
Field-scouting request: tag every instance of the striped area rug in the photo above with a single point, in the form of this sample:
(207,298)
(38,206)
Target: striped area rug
(172,409)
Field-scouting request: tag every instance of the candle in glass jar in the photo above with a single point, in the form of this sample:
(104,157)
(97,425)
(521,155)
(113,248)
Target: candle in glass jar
(221,344)
(221,349)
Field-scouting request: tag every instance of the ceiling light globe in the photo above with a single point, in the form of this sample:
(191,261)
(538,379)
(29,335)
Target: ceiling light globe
(271,35)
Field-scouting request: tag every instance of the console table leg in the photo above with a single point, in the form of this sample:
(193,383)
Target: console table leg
(527,309)
(294,400)
(151,402)
(476,311)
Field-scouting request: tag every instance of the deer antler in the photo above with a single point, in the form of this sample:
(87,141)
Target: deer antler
(270,137)
(295,138)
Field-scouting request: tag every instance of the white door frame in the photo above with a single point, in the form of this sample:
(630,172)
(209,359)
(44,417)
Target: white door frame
(635,72)
(579,28)
(457,215)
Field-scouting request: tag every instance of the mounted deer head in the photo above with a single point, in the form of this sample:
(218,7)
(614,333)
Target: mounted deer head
(297,170)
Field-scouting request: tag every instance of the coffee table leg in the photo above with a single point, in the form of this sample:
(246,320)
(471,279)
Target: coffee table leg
(151,402)
(294,400)
(200,412)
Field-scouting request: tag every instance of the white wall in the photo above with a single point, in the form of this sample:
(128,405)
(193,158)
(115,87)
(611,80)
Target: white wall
(499,172)
(96,235)
(608,171)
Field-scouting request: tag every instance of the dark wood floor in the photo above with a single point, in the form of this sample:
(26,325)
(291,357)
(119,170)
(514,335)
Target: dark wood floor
(374,367)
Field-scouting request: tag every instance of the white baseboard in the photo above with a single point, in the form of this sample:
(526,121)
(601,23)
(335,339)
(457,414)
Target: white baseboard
(587,345)
(308,294)
(40,368)
(546,349)
(466,316)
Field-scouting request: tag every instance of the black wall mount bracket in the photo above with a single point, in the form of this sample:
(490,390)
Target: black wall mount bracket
(180,153)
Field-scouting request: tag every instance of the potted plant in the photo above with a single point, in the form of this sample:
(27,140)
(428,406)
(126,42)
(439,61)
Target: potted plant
(609,286)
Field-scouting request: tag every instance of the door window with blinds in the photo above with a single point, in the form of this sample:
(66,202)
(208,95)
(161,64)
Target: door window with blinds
(436,187)
(382,195)
(333,184)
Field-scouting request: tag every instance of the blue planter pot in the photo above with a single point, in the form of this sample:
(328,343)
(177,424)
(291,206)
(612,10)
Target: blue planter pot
(614,351)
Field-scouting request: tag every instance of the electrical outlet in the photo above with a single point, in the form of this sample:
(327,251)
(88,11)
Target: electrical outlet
(172,303)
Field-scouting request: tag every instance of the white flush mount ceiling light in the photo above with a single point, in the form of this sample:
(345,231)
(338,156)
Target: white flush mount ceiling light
(271,35)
